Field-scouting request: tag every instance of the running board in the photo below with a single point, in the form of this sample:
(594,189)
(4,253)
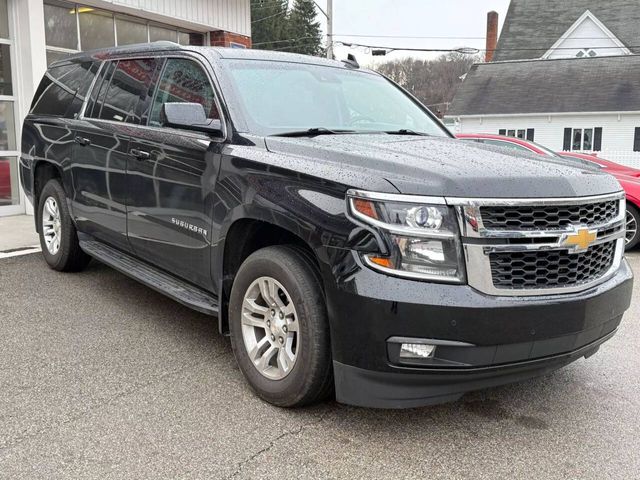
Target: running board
(178,290)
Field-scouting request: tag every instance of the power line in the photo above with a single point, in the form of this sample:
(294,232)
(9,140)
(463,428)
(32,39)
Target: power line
(466,50)
(419,37)
(269,16)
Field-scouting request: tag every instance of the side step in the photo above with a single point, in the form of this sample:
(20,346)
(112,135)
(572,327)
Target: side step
(178,290)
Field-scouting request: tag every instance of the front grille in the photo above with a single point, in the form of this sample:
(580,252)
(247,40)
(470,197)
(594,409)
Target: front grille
(548,217)
(550,268)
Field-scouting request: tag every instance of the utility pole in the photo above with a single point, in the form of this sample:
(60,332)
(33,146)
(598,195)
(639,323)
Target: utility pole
(329,15)
(330,29)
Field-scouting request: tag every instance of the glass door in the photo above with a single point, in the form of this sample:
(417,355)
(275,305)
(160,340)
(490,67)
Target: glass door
(10,198)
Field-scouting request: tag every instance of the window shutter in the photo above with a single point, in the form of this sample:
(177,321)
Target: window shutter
(502,131)
(567,140)
(636,140)
(597,139)
(530,134)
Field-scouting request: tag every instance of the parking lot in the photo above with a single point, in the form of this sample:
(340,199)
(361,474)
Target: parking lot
(101,377)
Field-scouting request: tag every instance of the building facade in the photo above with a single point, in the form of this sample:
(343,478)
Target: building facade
(564,74)
(34,33)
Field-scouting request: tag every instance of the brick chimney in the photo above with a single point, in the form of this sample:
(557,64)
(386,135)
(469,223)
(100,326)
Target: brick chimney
(492,35)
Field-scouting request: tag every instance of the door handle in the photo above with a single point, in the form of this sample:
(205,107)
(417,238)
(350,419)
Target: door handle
(82,141)
(139,154)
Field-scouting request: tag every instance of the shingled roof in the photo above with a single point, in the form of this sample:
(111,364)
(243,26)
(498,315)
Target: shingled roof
(599,84)
(533,26)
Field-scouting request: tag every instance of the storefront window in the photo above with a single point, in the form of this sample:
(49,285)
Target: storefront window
(5,70)
(99,29)
(8,181)
(131,32)
(4,19)
(186,38)
(96,29)
(7,126)
(9,190)
(60,26)
(157,33)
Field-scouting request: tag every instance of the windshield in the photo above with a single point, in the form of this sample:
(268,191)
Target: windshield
(278,97)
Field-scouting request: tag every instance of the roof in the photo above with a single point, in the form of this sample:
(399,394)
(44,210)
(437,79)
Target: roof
(533,26)
(599,84)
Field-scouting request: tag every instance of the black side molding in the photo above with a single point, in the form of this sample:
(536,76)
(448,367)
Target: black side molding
(179,290)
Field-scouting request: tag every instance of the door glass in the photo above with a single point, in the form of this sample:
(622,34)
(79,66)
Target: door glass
(130,81)
(184,81)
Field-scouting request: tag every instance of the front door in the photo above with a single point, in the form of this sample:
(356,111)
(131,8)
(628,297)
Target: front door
(171,175)
(101,149)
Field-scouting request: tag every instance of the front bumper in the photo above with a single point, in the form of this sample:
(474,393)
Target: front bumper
(505,339)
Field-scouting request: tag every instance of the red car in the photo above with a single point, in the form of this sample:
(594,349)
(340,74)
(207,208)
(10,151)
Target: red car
(628,177)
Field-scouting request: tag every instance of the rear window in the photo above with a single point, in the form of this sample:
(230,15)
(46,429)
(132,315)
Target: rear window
(63,89)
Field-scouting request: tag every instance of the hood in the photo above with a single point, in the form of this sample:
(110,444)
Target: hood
(448,167)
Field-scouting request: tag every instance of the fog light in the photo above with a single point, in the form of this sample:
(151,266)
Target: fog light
(417,350)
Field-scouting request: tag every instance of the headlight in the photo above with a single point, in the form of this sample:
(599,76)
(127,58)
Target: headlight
(422,239)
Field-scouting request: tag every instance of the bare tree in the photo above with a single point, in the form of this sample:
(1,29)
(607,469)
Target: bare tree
(433,82)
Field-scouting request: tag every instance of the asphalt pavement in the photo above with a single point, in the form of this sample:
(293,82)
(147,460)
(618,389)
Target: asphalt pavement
(101,377)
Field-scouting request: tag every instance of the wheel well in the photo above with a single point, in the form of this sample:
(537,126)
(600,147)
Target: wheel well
(44,171)
(245,237)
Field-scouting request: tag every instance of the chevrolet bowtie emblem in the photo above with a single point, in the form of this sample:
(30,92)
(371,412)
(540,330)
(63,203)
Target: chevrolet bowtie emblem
(581,240)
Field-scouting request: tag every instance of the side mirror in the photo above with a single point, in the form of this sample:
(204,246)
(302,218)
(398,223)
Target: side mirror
(189,116)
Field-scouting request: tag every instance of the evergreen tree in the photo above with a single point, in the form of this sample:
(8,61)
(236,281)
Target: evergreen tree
(269,20)
(305,29)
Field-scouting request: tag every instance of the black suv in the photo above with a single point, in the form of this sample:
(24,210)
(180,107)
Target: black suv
(339,233)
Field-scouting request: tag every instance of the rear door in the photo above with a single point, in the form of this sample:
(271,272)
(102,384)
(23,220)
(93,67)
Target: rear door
(171,178)
(101,149)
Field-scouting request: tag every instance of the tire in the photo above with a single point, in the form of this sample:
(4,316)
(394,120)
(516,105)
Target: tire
(66,255)
(297,281)
(633,218)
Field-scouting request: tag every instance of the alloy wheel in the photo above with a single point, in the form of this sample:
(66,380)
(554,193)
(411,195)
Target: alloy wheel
(632,227)
(270,329)
(51,225)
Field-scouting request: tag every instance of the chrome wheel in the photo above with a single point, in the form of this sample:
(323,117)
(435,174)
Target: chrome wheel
(632,227)
(270,328)
(51,225)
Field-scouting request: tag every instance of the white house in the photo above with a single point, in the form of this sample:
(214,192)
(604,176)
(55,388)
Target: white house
(33,33)
(565,74)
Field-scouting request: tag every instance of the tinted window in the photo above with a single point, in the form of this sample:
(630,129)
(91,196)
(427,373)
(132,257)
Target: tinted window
(99,92)
(129,82)
(63,89)
(183,81)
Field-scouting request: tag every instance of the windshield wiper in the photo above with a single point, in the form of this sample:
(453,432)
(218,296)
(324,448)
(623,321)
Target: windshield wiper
(312,132)
(406,131)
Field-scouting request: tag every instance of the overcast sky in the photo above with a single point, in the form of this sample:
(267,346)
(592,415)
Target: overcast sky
(462,22)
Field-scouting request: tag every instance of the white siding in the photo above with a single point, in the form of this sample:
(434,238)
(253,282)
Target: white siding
(617,130)
(205,15)
(597,41)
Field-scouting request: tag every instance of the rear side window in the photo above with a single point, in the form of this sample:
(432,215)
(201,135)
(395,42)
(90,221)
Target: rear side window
(120,94)
(183,80)
(63,89)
